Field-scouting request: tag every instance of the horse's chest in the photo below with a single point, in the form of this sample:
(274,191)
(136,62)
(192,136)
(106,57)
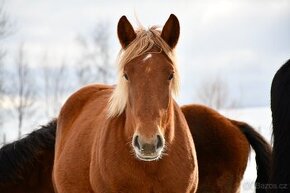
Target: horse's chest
(150,184)
(151,188)
(128,175)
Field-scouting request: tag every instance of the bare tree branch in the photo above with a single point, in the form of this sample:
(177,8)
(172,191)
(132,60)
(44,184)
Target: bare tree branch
(5,25)
(5,29)
(215,93)
(22,90)
(94,63)
(55,86)
(2,90)
(46,83)
(59,86)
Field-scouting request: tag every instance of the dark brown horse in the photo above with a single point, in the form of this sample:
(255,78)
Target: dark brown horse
(222,147)
(280,106)
(26,164)
(132,137)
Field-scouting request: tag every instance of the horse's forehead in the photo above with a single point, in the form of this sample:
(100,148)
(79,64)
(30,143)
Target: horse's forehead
(154,63)
(151,62)
(153,58)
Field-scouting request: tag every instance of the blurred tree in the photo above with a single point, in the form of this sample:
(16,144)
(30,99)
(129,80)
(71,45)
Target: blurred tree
(5,25)
(5,31)
(94,63)
(55,86)
(215,94)
(2,89)
(22,90)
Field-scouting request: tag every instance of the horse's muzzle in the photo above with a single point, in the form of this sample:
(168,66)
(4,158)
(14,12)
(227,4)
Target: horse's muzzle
(148,150)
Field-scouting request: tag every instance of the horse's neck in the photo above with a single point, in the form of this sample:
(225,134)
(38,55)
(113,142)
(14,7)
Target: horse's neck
(177,114)
(180,123)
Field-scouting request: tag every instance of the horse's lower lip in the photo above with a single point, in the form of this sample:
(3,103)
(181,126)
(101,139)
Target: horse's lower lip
(148,158)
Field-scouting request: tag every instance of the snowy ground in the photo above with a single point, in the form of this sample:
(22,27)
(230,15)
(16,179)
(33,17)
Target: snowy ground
(259,118)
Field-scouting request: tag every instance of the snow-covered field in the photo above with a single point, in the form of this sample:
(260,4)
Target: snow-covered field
(259,118)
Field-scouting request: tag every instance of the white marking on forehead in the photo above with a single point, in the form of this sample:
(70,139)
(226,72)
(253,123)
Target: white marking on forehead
(147,57)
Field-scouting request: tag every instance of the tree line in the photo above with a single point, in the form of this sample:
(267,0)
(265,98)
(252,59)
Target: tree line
(27,91)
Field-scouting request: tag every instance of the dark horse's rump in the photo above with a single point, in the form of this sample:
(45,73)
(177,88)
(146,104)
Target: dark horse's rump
(26,164)
(280,106)
(222,148)
(263,154)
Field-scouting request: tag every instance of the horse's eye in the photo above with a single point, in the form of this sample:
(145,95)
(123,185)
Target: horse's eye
(170,76)
(126,76)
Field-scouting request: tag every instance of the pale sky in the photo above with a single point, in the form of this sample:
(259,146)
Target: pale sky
(244,41)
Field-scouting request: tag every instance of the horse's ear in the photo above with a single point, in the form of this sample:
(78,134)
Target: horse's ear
(126,32)
(170,31)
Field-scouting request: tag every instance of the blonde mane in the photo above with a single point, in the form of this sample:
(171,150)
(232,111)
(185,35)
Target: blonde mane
(143,43)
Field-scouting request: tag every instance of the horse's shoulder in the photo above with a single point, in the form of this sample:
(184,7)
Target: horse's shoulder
(77,100)
(75,103)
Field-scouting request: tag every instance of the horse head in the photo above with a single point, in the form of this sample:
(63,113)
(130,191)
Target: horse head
(148,77)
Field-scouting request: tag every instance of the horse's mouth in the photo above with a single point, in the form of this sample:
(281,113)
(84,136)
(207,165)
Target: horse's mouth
(148,157)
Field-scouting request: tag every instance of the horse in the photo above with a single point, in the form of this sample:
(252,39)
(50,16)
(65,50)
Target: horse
(280,106)
(222,145)
(26,164)
(132,137)
(222,148)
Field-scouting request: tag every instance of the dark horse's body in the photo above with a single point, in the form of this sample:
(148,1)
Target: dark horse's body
(222,148)
(280,106)
(26,164)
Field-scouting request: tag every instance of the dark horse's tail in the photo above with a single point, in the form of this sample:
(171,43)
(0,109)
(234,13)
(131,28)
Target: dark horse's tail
(27,163)
(263,155)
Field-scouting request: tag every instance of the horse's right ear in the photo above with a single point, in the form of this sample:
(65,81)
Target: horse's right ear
(126,32)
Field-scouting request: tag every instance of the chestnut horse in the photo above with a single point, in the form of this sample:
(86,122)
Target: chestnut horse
(26,164)
(22,172)
(132,137)
(222,145)
(280,106)
(222,148)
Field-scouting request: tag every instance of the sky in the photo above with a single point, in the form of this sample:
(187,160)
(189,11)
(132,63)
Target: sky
(244,42)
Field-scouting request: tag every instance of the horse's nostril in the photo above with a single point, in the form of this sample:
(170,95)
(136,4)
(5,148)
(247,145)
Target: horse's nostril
(159,142)
(136,142)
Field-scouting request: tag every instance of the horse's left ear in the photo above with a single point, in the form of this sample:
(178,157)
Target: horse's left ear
(170,31)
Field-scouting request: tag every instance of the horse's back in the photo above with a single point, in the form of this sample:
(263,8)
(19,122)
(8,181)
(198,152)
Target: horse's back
(80,116)
(26,164)
(221,147)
